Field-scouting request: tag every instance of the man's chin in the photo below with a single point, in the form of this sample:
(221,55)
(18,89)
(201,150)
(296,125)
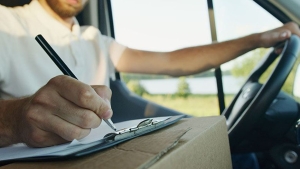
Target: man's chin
(67,8)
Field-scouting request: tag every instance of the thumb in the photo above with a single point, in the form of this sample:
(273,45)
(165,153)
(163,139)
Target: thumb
(105,93)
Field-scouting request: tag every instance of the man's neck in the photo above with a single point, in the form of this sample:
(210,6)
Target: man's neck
(68,22)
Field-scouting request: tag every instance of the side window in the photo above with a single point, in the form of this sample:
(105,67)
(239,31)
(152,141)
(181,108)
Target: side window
(236,19)
(165,25)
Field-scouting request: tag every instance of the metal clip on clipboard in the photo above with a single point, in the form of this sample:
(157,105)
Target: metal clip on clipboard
(142,127)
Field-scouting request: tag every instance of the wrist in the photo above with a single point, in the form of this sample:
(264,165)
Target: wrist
(254,41)
(10,116)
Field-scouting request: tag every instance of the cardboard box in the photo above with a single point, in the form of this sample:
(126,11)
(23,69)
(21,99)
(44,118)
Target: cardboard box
(189,143)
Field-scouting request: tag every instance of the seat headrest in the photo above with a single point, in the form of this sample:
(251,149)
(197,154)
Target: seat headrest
(12,3)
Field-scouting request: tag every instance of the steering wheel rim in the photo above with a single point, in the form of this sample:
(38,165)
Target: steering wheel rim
(253,99)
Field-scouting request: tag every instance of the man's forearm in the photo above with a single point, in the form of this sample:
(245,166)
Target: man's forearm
(186,61)
(201,58)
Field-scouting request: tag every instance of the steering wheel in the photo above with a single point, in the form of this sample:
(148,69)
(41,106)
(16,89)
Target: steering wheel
(253,99)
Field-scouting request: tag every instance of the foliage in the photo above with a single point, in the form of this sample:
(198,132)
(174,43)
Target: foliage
(290,79)
(136,87)
(194,105)
(183,89)
(244,68)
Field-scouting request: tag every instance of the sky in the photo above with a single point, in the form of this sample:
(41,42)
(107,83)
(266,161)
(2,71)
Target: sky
(143,22)
(166,25)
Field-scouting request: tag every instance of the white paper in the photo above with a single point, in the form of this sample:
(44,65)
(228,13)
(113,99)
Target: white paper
(95,137)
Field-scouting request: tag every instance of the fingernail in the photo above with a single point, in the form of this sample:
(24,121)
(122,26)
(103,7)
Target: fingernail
(283,35)
(107,114)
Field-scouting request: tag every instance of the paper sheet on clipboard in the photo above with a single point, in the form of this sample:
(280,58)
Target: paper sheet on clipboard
(93,142)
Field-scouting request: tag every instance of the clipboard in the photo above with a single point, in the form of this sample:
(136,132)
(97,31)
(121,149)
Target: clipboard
(146,126)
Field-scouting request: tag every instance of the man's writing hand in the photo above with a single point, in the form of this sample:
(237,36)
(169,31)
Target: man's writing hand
(63,110)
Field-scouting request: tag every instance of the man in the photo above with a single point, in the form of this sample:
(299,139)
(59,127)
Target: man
(43,108)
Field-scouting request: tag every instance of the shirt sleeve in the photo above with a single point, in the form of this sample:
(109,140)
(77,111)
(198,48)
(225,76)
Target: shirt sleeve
(115,51)
(5,40)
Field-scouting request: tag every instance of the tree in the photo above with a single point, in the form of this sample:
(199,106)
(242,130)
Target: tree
(136,87)
(183,89)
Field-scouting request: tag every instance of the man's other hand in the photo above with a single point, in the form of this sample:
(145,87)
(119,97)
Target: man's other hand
(272,37)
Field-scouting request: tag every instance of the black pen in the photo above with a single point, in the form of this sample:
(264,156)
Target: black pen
(62,66)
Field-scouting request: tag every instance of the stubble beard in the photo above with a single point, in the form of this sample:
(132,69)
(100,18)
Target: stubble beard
(64,10)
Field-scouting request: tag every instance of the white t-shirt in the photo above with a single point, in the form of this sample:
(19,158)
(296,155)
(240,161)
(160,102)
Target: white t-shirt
(24,65)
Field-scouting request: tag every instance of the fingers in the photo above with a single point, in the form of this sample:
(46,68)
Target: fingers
(78,116)
(287,30)
(293,28)
(44,139)
(64,129)
(102,91)
(83,95)
(62,110)
(106,95)
(45,129)
(273,37)
(283,35)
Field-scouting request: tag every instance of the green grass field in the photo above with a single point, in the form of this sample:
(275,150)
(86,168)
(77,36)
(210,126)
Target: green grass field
(195,105)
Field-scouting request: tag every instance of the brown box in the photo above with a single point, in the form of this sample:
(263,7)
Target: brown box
(189,143)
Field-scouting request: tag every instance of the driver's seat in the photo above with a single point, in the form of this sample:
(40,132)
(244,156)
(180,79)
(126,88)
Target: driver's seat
(127,105)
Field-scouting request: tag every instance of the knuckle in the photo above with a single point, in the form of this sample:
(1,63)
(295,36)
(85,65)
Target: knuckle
(86,119)
(38,98)
(292,25)
(43,99)
(32,114)
(103,107)
(56,80)
(85,94)
(107,91)
(103,91)
(37,139)
(75,133)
